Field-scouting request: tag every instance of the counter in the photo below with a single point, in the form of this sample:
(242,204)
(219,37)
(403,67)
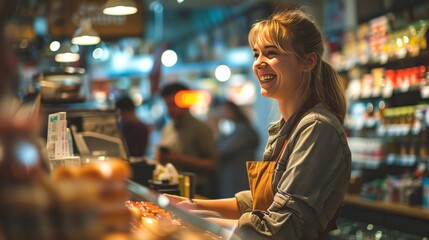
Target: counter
(395,216)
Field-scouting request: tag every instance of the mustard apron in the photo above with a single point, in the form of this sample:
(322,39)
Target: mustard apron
(261,173)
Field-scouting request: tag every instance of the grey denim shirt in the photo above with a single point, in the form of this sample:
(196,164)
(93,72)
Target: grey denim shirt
(310,179)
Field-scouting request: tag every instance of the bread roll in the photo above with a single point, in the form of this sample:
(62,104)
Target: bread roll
(64,173)
(109,169)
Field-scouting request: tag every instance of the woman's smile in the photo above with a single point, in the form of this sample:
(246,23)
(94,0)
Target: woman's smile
(267,78)
(267,82)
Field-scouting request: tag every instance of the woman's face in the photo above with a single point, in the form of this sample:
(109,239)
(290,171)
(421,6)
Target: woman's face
(279,74)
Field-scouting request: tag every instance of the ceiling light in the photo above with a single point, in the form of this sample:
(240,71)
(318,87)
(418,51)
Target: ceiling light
(169,58)
(120,7)
(65,54)
(85,34)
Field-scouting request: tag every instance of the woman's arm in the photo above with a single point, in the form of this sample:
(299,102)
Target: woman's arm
(227,206)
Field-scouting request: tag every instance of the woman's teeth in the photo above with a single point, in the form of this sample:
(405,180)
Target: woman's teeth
(266,78)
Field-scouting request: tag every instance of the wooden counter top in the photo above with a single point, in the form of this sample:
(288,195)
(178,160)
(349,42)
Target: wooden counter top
(394,208)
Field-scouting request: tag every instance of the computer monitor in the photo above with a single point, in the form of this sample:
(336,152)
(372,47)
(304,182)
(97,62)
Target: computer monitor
(95,132)
(96,144)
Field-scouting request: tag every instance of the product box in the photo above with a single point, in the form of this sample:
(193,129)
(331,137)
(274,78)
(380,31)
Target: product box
(426,192)
(57,137)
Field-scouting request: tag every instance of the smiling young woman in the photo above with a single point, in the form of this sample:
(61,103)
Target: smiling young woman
(297,188)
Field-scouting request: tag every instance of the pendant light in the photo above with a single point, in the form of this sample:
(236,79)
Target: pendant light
(85,34)
(65,53)
(120,7)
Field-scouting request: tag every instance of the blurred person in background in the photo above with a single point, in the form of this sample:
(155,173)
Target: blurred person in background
(297,190)
(188,143)
(8,59)
(238,142)
(135,132)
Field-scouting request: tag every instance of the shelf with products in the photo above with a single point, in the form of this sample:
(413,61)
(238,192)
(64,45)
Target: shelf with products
(388,131)
(380,7)
(386,63)
(388,140)
(393,39)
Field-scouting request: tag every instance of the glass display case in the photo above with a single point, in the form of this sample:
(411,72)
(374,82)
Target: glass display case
(93,201)
(180,223)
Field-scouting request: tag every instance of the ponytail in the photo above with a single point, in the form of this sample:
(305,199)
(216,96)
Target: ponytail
(330,91)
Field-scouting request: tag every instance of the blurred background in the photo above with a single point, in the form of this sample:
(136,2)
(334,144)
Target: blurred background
(379,47)
(202,43)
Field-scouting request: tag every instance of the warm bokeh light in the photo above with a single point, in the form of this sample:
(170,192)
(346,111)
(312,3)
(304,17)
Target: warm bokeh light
(67,57)
(86,40)
(120,11)
(188,98)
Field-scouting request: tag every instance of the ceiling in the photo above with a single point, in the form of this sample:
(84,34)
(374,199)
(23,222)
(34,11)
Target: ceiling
(180,22)
(27,10)
(32,8)
(195,4)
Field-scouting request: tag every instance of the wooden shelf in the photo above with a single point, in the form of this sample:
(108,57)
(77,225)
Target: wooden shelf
(417,212)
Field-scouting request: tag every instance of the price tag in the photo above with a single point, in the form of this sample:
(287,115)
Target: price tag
(404,87)
(381,130)
(416,128)
(366,93)
(387,91)
(424,91)
(390,159)
(376,92)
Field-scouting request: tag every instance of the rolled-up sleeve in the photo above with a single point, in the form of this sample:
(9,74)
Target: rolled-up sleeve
(311,179)
(244,201)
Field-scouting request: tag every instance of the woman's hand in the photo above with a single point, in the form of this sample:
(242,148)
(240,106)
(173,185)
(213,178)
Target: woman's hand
(181,202)
(174,199)
(187,205)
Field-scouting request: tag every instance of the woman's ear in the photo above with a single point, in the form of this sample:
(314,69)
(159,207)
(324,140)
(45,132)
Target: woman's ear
(310,61)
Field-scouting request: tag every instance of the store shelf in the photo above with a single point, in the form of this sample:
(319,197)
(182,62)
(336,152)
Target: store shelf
(392,216)
(394,208)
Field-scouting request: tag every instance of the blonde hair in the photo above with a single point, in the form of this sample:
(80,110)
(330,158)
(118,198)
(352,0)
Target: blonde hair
(293,31)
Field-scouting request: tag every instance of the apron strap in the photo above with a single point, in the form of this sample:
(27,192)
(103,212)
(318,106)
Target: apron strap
(308,105)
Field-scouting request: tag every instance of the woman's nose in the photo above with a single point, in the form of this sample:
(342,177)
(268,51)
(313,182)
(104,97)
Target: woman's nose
(260,63)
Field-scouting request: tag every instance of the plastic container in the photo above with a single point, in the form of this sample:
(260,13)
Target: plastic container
(62,85)
(425,201)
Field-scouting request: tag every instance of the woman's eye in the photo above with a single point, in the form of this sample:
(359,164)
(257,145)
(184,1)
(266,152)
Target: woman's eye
(271,53)
(255,56)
